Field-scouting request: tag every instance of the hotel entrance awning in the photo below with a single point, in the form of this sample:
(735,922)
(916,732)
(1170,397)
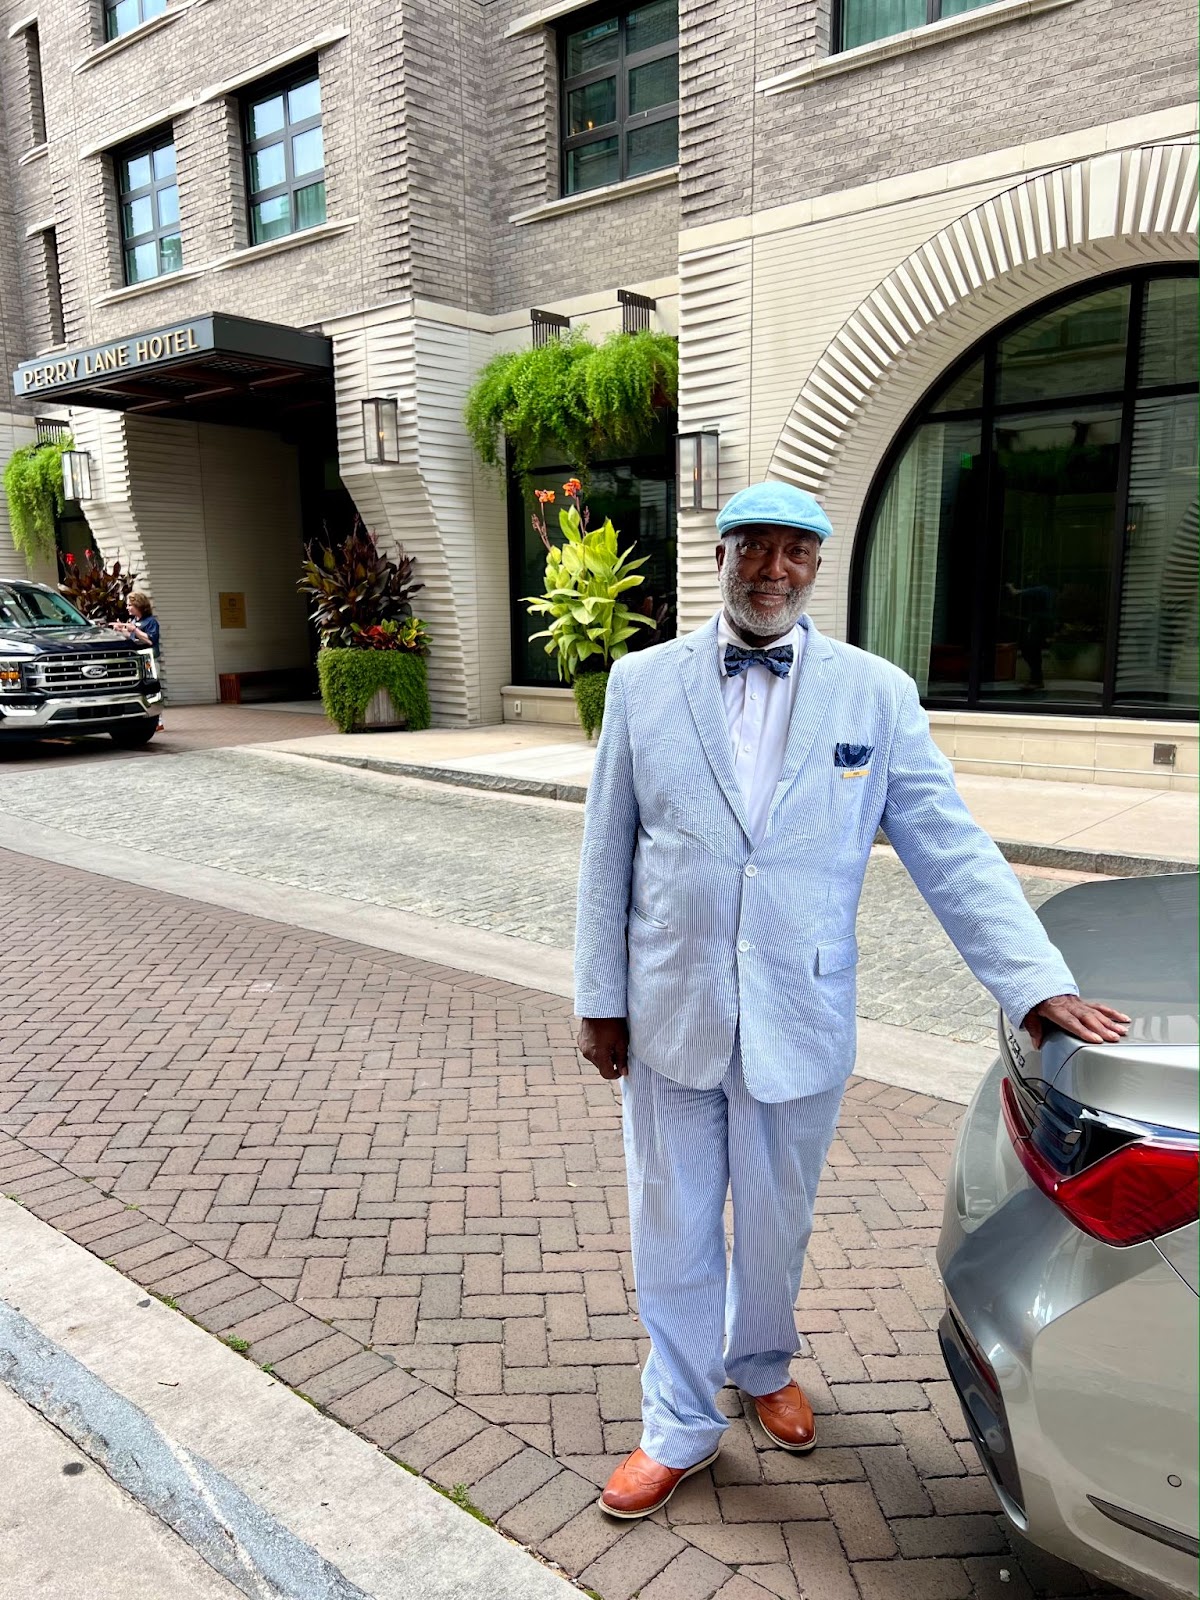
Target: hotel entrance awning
(214,368)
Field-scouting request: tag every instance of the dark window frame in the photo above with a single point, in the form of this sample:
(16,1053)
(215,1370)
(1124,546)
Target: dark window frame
(52,269)
(147,145)
(933,13)
(147,11)
(987,413)
(266,89)
(35,87)
(626,62)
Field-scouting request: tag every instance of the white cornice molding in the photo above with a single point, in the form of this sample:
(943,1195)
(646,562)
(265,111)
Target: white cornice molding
(135,130)
(899,44)
(664,178)
(533,20)
(123,41)
(266,69)
(1016,161)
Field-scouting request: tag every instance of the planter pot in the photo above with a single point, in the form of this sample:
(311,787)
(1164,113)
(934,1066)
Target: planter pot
(589,692)
(366,691)
(380,716)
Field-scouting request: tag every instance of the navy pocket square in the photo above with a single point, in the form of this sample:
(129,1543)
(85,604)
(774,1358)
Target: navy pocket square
(852,756)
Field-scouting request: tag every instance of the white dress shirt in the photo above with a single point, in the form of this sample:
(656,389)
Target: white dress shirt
(758,709)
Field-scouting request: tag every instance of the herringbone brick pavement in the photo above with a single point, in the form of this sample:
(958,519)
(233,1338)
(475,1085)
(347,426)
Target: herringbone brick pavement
(398,1186)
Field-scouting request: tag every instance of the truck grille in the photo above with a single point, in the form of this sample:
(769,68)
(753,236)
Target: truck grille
(76,674)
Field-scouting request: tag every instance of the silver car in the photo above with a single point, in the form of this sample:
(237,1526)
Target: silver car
(1069,1253)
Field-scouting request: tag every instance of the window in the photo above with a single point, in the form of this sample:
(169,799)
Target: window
(620,94)
(48,244)
(1032,542)
(123,16)
(862,21)
(639,495)
(149,200)
(33,80)
(285,157)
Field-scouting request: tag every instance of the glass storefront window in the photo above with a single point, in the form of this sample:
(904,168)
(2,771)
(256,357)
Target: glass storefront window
(1033,544)
(1157,658)
(639,496)
(1078,348)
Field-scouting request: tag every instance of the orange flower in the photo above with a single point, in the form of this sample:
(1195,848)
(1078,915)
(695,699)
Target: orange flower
(546,496)
(572,487)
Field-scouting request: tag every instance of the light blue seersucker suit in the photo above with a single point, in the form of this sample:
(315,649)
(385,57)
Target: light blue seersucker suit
(734,963)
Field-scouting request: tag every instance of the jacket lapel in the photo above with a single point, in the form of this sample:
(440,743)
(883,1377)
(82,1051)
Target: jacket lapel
(702,684)
(808,708)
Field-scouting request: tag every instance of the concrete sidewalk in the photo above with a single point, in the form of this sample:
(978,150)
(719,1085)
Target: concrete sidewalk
(1082,827)
(232,1483)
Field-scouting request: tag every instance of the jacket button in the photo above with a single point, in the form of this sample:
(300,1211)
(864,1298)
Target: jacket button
(752,872)
(743,945)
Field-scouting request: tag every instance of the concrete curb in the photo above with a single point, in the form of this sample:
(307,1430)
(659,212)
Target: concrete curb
(1021,853)
(278,1498)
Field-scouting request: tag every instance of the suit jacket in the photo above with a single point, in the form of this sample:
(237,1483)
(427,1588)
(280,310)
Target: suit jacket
(695,934)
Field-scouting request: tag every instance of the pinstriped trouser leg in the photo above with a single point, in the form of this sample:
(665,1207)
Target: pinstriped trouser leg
(776,1153)
(684,1148)
(675,1155)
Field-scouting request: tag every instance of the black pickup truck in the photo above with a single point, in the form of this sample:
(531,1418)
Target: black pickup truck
(62,676)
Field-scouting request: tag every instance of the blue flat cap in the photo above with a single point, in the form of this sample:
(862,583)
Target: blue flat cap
(780,505)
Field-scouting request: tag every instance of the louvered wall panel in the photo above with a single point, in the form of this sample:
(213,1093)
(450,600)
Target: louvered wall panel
(166,493)
(470,509)
(15,432)
(380,358)
(714,392)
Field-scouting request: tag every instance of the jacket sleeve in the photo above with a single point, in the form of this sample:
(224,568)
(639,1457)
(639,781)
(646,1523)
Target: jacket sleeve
(606,867)
(967,883)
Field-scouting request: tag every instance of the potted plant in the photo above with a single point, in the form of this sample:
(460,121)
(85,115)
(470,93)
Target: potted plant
(585,578)
(33,487)
(371,661)
(100,592)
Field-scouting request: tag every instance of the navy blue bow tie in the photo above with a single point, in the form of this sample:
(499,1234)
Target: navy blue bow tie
(777,660)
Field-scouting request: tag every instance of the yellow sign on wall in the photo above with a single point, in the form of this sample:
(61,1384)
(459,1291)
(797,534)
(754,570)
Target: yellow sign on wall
(233,610)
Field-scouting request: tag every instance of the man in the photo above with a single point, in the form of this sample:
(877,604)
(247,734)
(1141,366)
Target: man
(741,775)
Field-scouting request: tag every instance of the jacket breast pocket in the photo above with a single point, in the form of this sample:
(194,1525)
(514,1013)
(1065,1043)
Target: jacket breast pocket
(837,956)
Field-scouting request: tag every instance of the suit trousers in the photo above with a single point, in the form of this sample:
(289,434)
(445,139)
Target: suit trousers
(685,1149)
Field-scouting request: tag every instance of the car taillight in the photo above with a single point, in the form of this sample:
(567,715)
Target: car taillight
(1144,1188)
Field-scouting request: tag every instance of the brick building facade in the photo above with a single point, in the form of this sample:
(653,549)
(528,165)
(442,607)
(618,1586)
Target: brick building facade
(845,224)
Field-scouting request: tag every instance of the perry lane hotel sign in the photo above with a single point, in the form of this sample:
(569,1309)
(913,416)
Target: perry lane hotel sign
(97,362)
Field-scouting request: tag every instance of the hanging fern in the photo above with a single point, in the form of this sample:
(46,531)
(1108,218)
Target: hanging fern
(33,486)
(572,399)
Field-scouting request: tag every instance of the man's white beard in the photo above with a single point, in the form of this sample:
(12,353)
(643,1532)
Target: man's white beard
(739,603)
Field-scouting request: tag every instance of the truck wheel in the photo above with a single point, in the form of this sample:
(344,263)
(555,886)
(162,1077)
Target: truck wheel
(132,735)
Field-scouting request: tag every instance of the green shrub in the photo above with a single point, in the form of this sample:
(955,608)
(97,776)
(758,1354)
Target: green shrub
(350,679)
(589,700)
(572,399)
(33,486)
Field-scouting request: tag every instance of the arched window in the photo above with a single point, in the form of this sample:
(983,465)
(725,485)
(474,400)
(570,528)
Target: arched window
(1031,541)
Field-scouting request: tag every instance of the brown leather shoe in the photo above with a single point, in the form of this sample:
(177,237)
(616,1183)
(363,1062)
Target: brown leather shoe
(787,1418)
(640,1484)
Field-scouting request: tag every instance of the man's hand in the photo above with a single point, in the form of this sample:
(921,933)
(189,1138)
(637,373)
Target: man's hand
(604,1041)
(1088,1020)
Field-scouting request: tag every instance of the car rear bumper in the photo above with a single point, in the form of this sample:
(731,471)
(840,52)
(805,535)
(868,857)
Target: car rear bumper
(1091,1402)
(78,714)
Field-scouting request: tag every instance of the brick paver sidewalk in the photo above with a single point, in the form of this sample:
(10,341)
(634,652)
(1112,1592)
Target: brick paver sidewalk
(398,1187)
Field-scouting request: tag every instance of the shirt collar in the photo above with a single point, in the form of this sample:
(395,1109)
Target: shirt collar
(728,635)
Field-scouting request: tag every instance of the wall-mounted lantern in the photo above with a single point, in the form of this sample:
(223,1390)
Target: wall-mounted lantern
(77,475)
(381,431)
(699,479)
